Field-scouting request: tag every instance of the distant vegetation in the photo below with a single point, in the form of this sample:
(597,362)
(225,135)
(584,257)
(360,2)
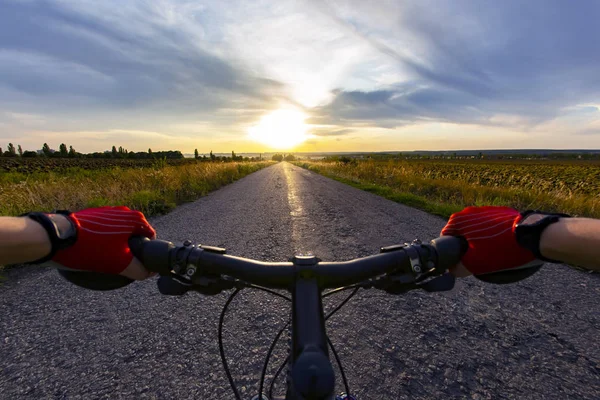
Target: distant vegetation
(63,160)
(152,182)
(281,157)
(116,153)
(62,165)
(63,152)
(444,186)
(465,155)
(152,189)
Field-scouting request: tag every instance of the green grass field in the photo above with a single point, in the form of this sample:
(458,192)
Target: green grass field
(445,186)
(153,190)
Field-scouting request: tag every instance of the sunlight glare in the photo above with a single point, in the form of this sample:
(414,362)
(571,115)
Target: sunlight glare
(281,129)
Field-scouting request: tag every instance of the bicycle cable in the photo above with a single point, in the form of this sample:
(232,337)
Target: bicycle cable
(281,367)
(277,337)
(222,348)
(267,359)
(342,289)
(329,315)
(264,289)
(338,360)
(339,363)
(339,306)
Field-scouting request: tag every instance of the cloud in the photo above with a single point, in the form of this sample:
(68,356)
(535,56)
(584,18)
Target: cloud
(106,55)
(206,71)
(329,132)
(397,107)
(470,62)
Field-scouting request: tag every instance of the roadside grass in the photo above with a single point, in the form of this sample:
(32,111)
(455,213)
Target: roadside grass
(153,191)
(399,182)
(443,197)
(409,199)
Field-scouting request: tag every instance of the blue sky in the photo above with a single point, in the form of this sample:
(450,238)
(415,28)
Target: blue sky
(384,75)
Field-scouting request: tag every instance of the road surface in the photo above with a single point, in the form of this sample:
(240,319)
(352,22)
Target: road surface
(537,339)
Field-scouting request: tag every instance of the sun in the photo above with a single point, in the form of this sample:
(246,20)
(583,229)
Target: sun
(282,129)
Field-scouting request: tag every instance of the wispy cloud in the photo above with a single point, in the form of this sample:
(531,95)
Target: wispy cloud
(330,132)
(470,61)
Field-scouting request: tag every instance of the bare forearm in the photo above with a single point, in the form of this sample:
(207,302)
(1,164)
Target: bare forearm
(574,241)
(22,240)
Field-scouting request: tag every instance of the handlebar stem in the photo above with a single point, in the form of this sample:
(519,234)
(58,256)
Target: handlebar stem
(312,374)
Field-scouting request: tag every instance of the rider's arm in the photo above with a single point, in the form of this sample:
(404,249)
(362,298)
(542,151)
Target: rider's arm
(505,245)
(23,240)
(573,241)
(101,243)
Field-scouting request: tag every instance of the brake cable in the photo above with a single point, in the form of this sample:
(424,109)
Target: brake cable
(222,348)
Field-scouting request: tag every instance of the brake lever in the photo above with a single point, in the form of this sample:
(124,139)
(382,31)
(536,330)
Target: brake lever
(177,285)
(403,283)
(173,286)
(442,283)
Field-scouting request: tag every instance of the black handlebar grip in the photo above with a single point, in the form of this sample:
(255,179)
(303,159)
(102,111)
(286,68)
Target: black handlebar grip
(136,244)
(154,254)
(450,250)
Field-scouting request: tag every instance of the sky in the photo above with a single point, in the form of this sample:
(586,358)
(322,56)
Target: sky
(351,75)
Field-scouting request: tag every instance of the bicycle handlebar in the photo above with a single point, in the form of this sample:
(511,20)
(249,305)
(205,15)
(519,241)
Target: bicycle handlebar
(209,270)
(193,264)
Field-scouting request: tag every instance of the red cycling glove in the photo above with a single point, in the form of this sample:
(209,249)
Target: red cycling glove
(490,232)
(102,239)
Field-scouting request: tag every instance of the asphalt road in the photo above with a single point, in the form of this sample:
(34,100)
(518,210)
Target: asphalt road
(537,339)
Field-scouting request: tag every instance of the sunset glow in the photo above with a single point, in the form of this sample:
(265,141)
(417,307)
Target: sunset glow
(282,129)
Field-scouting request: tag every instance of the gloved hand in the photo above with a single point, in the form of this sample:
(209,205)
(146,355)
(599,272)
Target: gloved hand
(102,241)
(493,246)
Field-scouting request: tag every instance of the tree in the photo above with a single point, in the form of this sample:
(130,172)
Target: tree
(20,150)
(196,154)
(277,157)
(72,152)
(0,151)
(46,150)
(11,150)
(212,156)
(62,149)
(114,152)
(29,154)
(149,151)
(290,157)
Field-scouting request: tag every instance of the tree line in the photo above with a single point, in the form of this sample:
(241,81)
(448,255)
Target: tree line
(281,157)
(234,157)
(70,152)
(121,152)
